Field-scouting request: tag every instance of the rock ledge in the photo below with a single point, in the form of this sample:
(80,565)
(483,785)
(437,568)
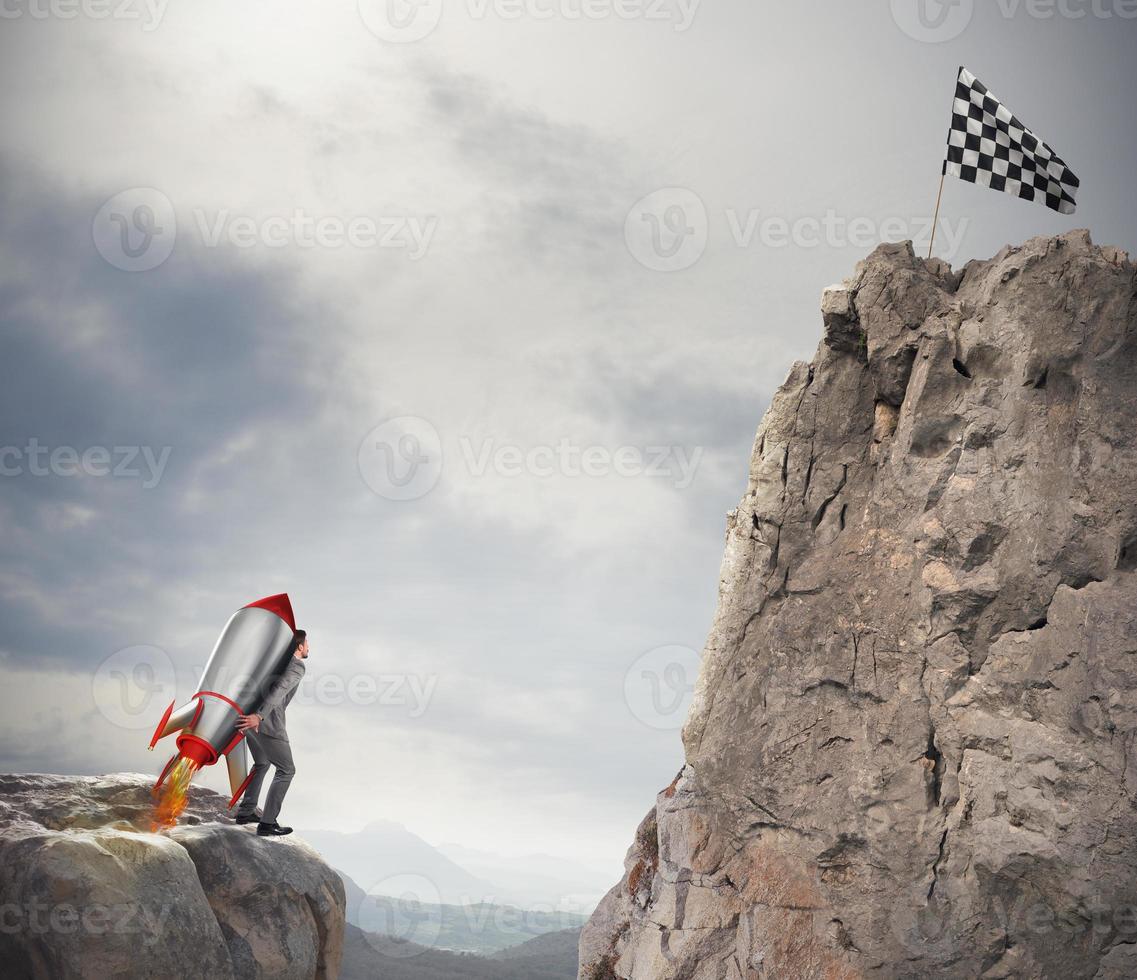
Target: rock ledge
(87,891)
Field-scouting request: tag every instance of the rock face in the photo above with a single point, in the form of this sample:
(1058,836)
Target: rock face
(911,751)
(87,891)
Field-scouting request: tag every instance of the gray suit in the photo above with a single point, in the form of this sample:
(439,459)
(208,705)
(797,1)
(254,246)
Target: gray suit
(269,746)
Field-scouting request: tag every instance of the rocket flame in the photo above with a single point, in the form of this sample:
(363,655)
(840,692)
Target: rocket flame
(174,795)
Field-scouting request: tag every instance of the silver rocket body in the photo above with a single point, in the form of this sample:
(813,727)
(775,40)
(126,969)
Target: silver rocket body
(251,653)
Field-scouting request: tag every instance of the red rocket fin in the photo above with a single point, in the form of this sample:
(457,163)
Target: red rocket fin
(173,721)
(279,605)
(237,760)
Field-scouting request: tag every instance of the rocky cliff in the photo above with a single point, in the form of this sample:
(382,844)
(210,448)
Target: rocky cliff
(87,891)
(911,751)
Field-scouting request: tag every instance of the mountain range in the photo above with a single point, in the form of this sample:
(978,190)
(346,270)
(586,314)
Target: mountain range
(385,858)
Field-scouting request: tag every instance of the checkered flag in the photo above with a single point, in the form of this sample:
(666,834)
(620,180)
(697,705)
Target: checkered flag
(988,145)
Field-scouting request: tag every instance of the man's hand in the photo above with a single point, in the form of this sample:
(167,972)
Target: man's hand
(248,722)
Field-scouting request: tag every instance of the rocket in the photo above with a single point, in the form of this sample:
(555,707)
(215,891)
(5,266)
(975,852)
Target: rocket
(251,653)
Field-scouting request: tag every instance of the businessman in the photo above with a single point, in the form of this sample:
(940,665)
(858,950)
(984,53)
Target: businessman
(267,735)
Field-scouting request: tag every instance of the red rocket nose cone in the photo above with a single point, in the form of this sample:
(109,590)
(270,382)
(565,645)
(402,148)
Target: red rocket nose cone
(278,604)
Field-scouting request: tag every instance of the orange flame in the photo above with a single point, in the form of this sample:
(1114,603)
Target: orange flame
(174,795)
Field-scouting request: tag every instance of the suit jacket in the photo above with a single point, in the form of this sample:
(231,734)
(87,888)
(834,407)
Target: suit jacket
(278,698)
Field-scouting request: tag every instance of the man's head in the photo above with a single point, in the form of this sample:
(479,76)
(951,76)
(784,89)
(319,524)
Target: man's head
(300,644)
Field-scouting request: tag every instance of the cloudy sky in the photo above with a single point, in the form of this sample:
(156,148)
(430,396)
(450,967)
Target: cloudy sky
(454,321)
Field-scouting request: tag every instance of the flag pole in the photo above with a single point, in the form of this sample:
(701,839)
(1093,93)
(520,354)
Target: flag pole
(937,215)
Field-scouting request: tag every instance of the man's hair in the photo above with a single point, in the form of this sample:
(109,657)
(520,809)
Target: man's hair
(297,639)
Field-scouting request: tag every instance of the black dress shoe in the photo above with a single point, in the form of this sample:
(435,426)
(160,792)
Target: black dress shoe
(272,830)
(250,818)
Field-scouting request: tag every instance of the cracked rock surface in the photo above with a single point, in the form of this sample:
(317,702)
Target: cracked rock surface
(911,751)
(87,891)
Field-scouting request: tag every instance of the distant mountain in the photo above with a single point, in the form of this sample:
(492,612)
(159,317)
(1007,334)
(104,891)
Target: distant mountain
(387,859)
(553,947)
(537,880)
(370,957)
(472,928)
